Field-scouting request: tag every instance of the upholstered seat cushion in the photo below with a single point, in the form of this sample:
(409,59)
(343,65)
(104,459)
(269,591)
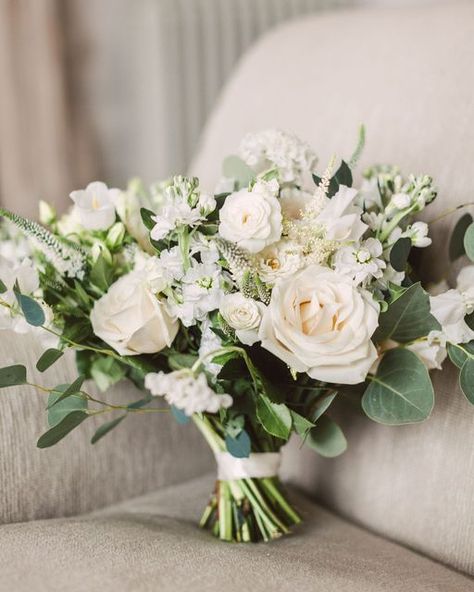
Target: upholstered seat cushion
(152,543)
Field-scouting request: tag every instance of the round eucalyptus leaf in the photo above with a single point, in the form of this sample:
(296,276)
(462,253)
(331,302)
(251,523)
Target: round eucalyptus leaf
(12,375)
(456,243)
(466,379)
(238,446)
(469,241)
(327,438)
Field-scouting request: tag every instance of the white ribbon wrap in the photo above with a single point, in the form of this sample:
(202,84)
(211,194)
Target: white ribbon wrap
(257,465)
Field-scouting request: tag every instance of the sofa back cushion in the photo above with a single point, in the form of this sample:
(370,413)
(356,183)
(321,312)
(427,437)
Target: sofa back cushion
(407,74)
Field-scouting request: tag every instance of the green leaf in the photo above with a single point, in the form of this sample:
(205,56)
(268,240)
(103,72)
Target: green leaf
(466,379)
(102,274)
(408,317)
(179,415)
(456,243)
(147,218)
(469,241)
(49,357)
(321,406)
(3,288)
(327,438)
(106,371)
(12,376)
(399,254)
(177,361)
(343,176)
(238,446)
(274,417)
(82,295)
(459,353)
(234,167)
(57,413)
(106,427)
(469,320)
(57,433)
(301,425)
(73,389)
(401,392)
(32,311)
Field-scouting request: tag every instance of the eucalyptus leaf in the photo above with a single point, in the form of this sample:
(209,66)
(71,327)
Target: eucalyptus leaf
(469,241)
(12,376)
(56,413)
(399,253)
(408,317)
(48,358)
(32,311)
(274,417)
(63,428)
(401,392)
(327,438)
(72,389)
(456,243)
(466,379)
(179,415)
(239,446)
(106,427)
(301,425)
(3,288)
(234,167)
(459,353)
(320,406)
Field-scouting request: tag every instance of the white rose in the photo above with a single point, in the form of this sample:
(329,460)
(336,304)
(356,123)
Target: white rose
(244,315)
(252,219)
(318,322)
(131,319)
(341,218)
(94,205)
(280,260)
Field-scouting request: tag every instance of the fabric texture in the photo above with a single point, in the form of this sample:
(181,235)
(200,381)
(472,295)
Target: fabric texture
(153,543)
(407,75)
(72,477)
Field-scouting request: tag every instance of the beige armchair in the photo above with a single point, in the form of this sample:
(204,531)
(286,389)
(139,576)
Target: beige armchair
(395,511)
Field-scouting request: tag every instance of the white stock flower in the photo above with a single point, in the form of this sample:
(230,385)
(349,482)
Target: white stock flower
(320,323)
(418,233)
(210,342)
(400,201)
(279,260)
(252,219)
(450,307)
(94,206)
(341,218)
(201,293)
(181,389)
(244,315)
(361,262)
(275,148)
(131,318)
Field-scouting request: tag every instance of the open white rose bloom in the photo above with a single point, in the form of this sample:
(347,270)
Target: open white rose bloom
(250,312)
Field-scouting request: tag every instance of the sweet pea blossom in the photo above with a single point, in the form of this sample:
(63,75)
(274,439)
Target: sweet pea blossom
(94,206)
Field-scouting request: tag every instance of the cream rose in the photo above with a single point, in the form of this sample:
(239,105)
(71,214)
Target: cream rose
(318,322)
(132,319)
(244,315)
(252,219)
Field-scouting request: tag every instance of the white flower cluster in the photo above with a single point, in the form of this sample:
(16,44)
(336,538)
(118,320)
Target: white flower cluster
(187,392)
(278,149)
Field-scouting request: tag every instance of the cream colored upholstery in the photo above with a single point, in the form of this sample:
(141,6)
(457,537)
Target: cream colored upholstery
(408,75)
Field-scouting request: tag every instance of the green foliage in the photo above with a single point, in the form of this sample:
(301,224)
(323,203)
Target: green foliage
(234,167)
(102,274)
(399,254)
(408,317)
(239,446)
(179,415)
(327,438)
(72,389)
(459,353)
(401,391)
(178,361)
(320,406)
(106,371)
(301,425)
(48,358)
(147,218)
(57,412)
(343,176)
(12,376)
(469,241)
(466,379)
(456,243)
(62,429)
(274,417)
(32,311)
(106,427)
(3,288)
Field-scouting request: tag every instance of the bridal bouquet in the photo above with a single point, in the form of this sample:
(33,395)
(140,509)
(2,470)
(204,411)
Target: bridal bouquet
(249,311)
